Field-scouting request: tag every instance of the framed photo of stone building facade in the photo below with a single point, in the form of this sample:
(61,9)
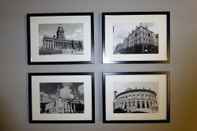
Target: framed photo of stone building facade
(61,98)
(60,38)
(136,97)
(136,37)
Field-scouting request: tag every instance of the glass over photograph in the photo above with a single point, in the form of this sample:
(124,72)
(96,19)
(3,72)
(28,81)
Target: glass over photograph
(135,38)
(61,39)
(131,97)
(136,97)
(61,97)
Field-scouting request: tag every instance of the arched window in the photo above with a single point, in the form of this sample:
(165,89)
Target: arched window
(147,104)
(143,104)
(138,104)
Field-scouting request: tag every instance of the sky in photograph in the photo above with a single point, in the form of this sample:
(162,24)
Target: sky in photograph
(72,31)
(121,31)
(67,90)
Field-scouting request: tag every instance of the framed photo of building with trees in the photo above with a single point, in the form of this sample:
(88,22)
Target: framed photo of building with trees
(136,97)
(61,98)
(60,38)
(136,37)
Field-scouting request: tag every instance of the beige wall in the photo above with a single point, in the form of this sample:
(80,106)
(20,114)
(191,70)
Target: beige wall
(13,67)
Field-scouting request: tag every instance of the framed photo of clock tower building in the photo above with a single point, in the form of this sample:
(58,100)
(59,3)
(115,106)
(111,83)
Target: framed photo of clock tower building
(60,38)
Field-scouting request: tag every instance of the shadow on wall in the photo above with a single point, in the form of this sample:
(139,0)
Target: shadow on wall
(7,113)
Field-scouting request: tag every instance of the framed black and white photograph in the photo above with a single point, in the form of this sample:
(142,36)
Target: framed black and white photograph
(136,37)
(134,97)
(60,38)
(61,98)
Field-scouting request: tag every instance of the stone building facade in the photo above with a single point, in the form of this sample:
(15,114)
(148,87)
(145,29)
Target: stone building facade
(140,40)
(135,101)
(58,44)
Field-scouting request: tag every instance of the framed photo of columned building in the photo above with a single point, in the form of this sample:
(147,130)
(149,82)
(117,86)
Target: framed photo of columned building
(61,97)
(60,38)
(136,37)
(136,97)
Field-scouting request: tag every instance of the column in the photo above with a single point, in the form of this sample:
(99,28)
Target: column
(150,104)
(140,104)
(51,45)
(145,105)
(135,103)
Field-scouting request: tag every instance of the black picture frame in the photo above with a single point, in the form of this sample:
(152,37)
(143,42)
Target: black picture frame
(67,74)
(91,60)
(167,106)
(106,59)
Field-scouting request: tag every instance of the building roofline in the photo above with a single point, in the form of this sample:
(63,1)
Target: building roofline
(136,90)
(144,28)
